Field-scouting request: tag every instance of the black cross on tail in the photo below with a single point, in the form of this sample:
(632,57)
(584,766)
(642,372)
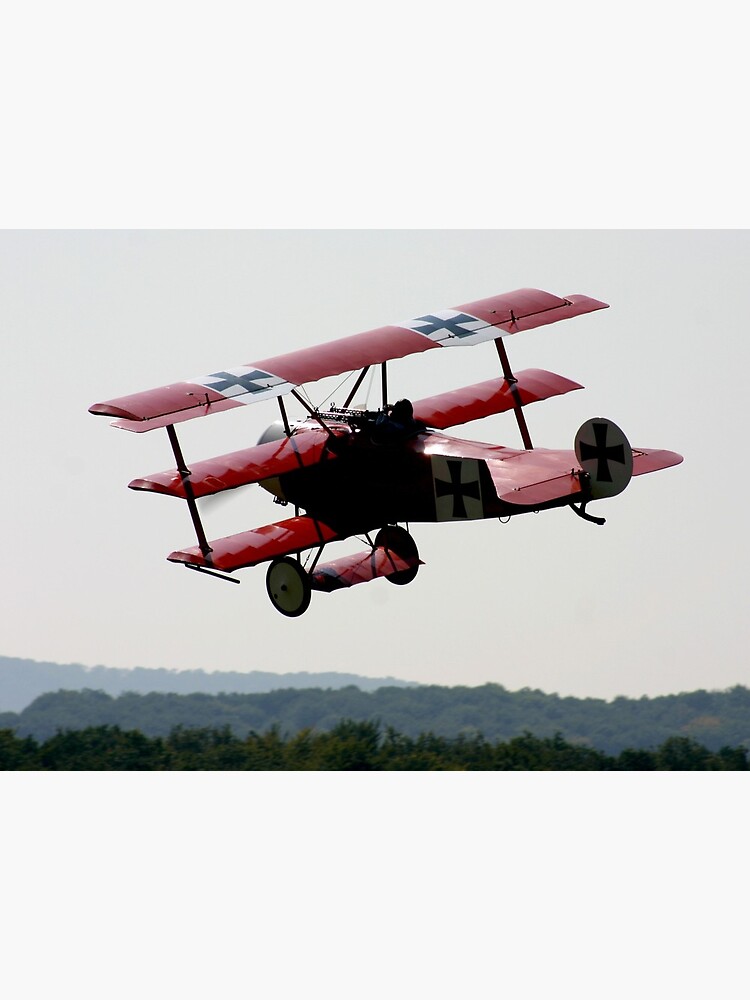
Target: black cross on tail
(602,454)
(608,461)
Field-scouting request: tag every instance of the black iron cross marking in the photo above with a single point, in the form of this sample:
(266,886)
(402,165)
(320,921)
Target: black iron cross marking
(457,489)
(602,454)
(452,325)
(249,381)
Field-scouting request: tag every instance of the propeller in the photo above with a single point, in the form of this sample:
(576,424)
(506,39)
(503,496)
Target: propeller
(210,504)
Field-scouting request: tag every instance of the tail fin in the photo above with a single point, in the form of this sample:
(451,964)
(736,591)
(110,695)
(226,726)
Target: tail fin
(605,456)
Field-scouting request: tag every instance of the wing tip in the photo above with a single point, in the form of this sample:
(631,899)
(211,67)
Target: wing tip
(193,557)
(588,300)
(150,486)
(109,410)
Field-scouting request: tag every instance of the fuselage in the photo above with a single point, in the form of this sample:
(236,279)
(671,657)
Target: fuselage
(368,481)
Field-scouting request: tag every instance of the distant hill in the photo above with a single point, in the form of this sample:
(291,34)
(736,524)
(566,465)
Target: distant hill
(21,681)
(713,718)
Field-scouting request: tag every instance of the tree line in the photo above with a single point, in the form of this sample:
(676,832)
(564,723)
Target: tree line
(712,718)
(349,746)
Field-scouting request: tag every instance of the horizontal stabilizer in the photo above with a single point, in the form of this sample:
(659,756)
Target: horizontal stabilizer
(250,465)
(533,478)
(473,402)
(460,326)
(360,568)
(653,460)
(259,545)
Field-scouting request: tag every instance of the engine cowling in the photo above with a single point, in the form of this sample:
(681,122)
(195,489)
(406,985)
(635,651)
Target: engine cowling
(274,432)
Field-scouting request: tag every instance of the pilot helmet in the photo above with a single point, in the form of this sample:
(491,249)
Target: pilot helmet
(402,411)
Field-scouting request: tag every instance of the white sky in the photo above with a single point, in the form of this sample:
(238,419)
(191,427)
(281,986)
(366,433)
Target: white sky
(651,603)
(413,115)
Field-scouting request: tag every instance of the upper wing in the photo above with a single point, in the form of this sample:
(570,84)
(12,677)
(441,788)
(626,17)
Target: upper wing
(465,325)
(483,399)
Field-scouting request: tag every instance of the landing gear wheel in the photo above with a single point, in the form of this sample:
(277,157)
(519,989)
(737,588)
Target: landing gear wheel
(288,586)
(399,541)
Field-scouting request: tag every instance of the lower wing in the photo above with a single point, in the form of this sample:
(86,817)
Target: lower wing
(249,548)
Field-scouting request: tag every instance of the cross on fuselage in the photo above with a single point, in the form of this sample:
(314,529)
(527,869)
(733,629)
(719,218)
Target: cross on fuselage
(602,453)
(457,489)
(452,325)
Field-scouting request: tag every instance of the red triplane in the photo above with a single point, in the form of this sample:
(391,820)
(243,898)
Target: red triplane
(355,472)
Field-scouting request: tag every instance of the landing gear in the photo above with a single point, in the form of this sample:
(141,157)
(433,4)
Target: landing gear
(398,540)
(288,586)
(580,510)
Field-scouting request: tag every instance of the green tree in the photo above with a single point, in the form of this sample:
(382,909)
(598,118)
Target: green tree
(16,754)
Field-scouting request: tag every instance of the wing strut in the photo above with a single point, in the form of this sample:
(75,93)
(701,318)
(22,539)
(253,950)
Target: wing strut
(189,495)
(357,384)
(314,414)
(517,404)
(211,572)
(284,417)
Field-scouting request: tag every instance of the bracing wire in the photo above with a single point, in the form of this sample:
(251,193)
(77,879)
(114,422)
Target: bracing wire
(303,391)
(336,389)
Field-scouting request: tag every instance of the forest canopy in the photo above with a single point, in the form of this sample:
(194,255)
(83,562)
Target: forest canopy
(713,718)
(349,746)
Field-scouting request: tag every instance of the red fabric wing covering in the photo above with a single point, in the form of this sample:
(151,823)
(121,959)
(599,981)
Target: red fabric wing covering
(652,461)
(238,468)
(164,401)
(346,354)
(465,325)
(486,398)
(530,308)
(359,568)
(152,423)
(259,545)
(535,477)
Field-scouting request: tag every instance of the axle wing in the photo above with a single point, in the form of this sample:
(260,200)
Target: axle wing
(362,567)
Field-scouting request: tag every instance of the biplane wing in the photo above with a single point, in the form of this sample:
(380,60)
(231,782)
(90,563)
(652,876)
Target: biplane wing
(249,548)
(483,399)
(250,465)
(462,326)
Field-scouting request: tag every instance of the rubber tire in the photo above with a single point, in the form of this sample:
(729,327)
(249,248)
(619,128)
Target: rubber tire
(288,587)
(399,541)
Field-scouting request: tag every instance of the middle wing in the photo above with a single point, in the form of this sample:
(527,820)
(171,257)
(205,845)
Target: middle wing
(484,399)
(306,447)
